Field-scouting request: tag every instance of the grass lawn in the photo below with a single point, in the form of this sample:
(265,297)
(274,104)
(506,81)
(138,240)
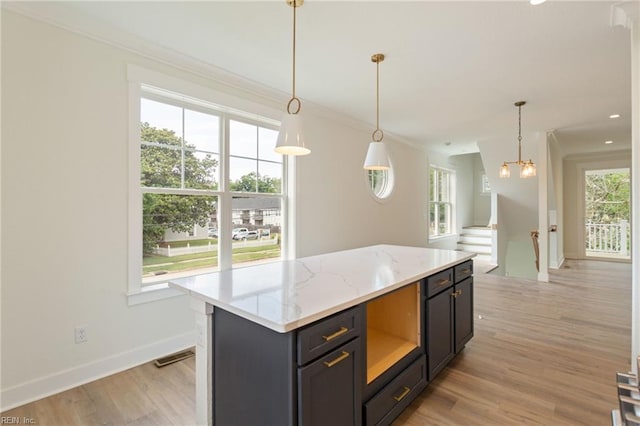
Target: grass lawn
(153,263)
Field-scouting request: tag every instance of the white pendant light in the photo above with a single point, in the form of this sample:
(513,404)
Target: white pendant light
(377,157)
(527,168)
(291,140)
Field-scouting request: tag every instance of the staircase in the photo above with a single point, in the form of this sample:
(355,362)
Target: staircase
(476,239)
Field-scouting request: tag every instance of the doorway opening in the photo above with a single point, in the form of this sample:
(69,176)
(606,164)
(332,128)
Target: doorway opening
(607,207)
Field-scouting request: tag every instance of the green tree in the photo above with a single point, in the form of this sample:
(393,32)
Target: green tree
(162,166)
(251,182)
(607,196)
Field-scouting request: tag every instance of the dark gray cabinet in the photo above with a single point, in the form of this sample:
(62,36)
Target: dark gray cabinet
(318,374)
(387,404)
(463,313)
(329,388)
(330,370)
(440,348)
(449,317)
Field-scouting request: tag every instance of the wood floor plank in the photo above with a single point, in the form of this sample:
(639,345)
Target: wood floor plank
(542,354)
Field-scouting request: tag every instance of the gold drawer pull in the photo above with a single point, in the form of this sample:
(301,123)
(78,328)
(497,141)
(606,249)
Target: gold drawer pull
(443,281)
(403,394)
(457,293)
(466,271)
(336,334)
(330,364)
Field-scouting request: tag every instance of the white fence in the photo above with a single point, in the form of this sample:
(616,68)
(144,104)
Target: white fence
(177,251)
(608,238)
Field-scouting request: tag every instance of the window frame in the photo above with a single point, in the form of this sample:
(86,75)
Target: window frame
(148,84)
(433,173)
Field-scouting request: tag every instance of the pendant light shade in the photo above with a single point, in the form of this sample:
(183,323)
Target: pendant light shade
(377,157)
(291,140)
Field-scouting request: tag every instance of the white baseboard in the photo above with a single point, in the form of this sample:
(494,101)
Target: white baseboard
(76,376)
(557,264)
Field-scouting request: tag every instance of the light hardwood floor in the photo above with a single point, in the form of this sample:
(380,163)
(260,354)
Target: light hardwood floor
(543,353)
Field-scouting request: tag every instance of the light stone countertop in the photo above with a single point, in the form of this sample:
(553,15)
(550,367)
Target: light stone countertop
(286,295)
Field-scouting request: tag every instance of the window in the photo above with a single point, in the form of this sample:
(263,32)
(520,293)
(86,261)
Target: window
(484,183)
(210,187)
(380,182)
(440,202)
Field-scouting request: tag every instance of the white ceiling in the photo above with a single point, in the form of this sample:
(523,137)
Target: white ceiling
(452,70)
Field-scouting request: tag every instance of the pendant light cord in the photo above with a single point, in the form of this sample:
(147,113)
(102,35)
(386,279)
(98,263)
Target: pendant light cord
(377,95)
(293,91)
(377,134)
(519,134)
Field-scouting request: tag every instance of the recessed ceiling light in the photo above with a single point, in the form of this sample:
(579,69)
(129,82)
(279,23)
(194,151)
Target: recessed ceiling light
(536,2)
(614,116)
(608,142)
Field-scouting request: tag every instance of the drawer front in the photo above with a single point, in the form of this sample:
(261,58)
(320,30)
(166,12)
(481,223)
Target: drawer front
(438,282)
(387,404)
(462,271)
(327,334)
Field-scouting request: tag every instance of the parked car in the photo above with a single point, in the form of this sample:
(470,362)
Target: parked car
(252,235)
(213,233)
(239,233)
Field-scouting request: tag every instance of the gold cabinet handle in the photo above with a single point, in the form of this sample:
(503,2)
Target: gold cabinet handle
(457,293)
(466,271)
(336,334)
(330,364)
(443,281)
(403,394)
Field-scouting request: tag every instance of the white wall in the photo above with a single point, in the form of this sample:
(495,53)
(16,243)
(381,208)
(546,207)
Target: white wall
(462,165)
(518,204)
(64,217)
(556,205)
(573,194)
(481,201)
(337,211)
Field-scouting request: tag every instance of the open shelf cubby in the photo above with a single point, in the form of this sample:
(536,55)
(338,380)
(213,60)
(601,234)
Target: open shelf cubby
(393,329)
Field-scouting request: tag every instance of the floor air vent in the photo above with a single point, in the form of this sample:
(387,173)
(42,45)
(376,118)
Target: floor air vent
(170,359)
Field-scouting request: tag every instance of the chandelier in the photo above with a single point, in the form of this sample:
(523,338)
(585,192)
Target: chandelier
(527,168)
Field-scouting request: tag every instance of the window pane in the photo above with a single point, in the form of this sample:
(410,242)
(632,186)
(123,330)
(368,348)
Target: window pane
(379,181)
(443,219)
(266,145)
(179,235)
(201,170)
(243,174)
(243,139)
(166,119)
(201,131)
(256,229)
(160,167)
(269,177)
(432,185)
(433,228)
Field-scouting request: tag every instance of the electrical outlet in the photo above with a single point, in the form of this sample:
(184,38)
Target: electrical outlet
(81,334)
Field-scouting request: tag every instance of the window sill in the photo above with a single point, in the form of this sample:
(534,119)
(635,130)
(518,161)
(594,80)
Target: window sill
(153,293)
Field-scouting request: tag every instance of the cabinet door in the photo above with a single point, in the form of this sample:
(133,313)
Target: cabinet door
(329,388)
(463,307)
(440,348)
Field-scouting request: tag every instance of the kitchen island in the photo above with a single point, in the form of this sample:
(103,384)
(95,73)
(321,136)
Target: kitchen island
(349,337)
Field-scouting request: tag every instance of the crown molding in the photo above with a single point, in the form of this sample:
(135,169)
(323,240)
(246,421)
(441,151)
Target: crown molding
(70,20)
(625,14)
